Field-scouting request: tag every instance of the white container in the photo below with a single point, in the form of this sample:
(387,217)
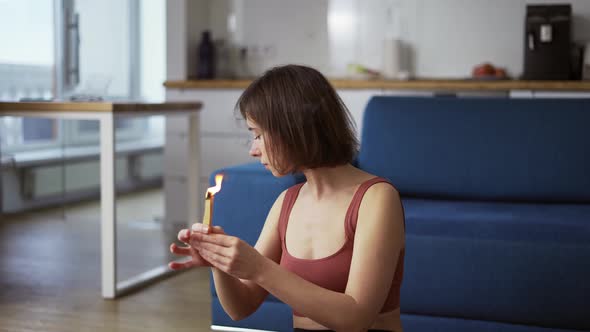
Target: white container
(391,58)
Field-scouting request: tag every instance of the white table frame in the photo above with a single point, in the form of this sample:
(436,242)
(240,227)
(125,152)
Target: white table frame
(110,287)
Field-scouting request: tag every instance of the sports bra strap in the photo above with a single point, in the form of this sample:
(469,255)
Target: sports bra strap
(288,202)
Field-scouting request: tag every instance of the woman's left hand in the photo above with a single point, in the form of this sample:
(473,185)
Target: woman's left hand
(227,253)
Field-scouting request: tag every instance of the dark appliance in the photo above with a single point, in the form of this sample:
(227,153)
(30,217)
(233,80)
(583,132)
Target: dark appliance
(547,41)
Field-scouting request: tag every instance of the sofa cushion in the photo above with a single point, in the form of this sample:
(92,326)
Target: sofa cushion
(506,262)
(480,148)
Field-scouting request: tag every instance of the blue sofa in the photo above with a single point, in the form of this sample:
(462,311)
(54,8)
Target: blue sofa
(497,200)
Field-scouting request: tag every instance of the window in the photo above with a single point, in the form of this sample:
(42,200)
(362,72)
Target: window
(27,62)
(27,58)
(28,69)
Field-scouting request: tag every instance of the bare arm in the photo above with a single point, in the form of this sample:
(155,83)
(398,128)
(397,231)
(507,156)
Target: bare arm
(240,298)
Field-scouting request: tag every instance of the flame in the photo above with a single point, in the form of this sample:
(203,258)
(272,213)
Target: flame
(213,190)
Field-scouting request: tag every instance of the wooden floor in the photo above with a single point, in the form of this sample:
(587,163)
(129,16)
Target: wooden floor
(50,272)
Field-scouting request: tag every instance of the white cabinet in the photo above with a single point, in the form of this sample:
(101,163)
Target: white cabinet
(548,94)
(560,94)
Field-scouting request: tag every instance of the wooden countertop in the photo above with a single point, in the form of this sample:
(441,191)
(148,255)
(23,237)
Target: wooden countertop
(419,84)
(100,107)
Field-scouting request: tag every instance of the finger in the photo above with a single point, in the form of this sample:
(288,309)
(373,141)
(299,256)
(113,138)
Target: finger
(183,251)
(184,235)
(201,228)
(180,265)
(215,259)
(197,261)
(219,239)
(217,230)
(215,248)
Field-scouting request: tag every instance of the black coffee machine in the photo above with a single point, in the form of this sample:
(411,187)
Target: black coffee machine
(547,41)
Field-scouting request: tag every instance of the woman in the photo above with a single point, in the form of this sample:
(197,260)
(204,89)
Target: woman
(332,248)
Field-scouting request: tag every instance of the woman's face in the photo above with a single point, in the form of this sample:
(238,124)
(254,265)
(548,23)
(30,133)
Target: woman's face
(257,149)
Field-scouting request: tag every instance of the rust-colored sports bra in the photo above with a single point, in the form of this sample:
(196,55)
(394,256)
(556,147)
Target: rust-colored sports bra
(332,272)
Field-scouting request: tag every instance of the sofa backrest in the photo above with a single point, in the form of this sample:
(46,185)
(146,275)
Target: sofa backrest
(480,148)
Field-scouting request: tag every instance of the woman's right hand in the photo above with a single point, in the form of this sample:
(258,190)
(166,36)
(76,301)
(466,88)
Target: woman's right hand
(195,258)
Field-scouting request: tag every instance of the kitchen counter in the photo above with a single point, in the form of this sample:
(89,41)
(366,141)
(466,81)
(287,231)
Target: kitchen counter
(420,84)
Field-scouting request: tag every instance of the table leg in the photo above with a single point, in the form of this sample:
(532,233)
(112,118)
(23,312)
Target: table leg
(110,287)
(108,207)
(1,176)
(193,171)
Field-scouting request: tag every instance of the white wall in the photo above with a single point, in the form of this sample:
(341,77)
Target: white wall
(449,41)
(454,35)
(447,37)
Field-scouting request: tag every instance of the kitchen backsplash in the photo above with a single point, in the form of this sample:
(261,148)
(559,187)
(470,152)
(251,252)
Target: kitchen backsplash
(431,38)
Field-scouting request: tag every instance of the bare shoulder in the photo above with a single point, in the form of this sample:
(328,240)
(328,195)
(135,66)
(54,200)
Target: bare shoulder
(381,197)
(384,188)
(277,205)
(381,192)
(381,204)
(275,211)
(281,196)
(378,193)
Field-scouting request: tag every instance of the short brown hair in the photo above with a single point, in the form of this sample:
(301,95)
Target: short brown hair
(306,124)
